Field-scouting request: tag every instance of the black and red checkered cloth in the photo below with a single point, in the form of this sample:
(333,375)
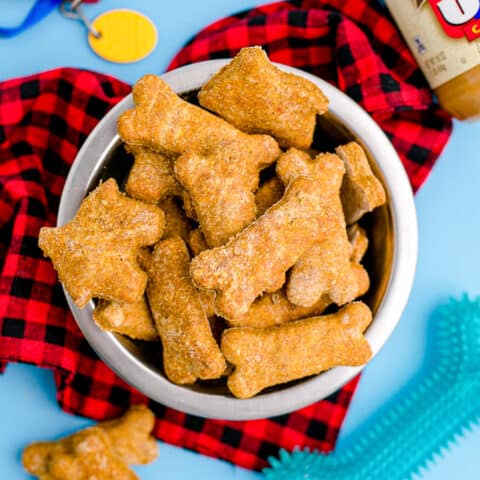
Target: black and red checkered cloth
(45,118)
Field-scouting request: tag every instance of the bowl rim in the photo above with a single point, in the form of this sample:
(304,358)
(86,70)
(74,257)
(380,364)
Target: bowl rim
(405,230)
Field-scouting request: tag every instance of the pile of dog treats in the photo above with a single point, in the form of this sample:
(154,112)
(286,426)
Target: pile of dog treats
(102,452)
(231,274)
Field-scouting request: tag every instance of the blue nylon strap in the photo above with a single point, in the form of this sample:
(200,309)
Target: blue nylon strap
(40,9)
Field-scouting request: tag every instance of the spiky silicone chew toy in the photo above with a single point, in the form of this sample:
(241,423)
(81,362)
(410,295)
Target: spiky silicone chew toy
(428,419)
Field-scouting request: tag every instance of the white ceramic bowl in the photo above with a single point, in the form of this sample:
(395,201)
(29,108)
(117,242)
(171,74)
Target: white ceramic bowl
(391,259)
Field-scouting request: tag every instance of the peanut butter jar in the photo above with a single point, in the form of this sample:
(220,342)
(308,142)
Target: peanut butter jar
(444,37)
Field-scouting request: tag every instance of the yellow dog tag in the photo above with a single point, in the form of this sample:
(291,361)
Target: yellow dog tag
(125,36)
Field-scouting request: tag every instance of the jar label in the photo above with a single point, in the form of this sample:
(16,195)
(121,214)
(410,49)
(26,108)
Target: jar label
(443,35)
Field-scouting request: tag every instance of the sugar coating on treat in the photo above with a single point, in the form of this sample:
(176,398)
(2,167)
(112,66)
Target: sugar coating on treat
(282,353)
(256,260)
(361,189)
(151,177)
(257,97)
(163,122)
(220,184)
(269,193)
(95,254)
(101,452)
(189,349)
(131,319)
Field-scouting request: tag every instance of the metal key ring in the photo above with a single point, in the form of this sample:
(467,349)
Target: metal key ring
(73,9)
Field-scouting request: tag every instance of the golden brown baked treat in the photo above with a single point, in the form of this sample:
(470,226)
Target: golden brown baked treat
(131,319)
(189,349)
(163,122)
(256,260)
(326,268)
(95,254)
(176,222)
(358,239)
(274,309)
(257,97)
(327,168)
(197,244)
(361,189)
(101,452)
(207,298)
(151,177)
(220,184)
(130,435)
(83,456)
(279,354)
(269,193)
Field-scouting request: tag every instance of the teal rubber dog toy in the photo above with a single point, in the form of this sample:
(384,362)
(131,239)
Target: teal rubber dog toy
(428,419)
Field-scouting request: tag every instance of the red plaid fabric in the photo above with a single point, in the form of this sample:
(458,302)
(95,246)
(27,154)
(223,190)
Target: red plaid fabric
(45,118)
(354,45)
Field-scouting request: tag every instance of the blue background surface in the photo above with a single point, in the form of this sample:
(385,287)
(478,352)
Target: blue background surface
(448,264)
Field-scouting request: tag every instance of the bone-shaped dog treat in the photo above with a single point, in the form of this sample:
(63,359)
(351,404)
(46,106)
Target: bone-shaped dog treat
(130,435)
(359,241)
(327,168)
(164,122)
(282,353)
(131,319)
(269,193)
(196,243)
(256,260)
(275,308)
(101,452)
(189,349)
(95,253)
(361,189)
(151,177)
(84,456)
(326,268)
(176,222)
(221,185)
(257,97)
